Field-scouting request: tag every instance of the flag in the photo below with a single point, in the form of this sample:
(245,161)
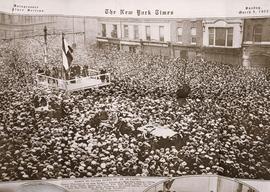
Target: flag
(66,54)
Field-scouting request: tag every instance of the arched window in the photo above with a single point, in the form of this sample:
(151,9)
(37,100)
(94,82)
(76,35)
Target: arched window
(257,33)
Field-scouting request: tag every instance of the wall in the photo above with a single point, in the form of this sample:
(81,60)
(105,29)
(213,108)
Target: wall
(256,53)
(249,26)
(154,28)
(22,26)
(237,25)
(186,35)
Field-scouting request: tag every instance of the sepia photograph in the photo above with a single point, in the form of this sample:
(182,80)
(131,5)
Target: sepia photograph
(134,96)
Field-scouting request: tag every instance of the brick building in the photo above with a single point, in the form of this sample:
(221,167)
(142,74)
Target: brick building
(238,41)
(222,40)
(256,44)
(215,39)
(166,37)
(19,26)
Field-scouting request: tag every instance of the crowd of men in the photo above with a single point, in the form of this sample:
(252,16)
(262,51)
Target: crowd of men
(59,72)
(222,128)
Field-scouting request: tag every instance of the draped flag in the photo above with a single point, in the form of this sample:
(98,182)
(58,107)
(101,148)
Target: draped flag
(66,54)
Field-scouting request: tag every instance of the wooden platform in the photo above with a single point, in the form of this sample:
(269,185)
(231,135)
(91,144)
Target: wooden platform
(77,84)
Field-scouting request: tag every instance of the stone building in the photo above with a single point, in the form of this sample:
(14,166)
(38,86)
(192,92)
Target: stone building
(256,43)
(166,37)
(236,41)
(222,40)
(214,39)
(14,26)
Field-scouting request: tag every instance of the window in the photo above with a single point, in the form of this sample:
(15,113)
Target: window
(147,31)
(136,32)
(257,33)
(103,30)
(114,32)
(193,35)
(230,37)
(125,31)
(161,33)
(179,34)
(220,36)
(211,36)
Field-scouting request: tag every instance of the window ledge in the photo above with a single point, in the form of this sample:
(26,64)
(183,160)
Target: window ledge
(214,46)
(257,43)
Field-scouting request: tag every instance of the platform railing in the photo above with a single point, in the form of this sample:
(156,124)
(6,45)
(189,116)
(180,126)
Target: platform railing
(78,83)
(106,76)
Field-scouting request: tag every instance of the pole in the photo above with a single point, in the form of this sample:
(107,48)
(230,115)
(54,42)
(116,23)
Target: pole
(185,68)
(120,35)
(73,30)
(84,37)
(14,36)
(45,43)
(63,70)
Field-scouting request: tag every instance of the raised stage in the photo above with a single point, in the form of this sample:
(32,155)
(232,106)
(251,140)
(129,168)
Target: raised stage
(77,84)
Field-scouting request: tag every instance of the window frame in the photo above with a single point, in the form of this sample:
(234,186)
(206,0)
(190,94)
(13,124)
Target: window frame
(225,39)
(214,36)
(103,30)
(126,31)
(161,38)
(227,34)
(136,32)
(193,36)
(178,35)
(146,35)
(115,29)
(256,34)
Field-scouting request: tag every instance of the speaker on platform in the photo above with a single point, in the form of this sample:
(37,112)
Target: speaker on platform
(183,91)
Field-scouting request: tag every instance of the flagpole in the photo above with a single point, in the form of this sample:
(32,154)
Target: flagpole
(66,56)
(46,46)
(63,70)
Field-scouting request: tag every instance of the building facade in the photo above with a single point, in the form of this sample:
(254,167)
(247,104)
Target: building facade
(14,26)
(171,38)
(237,41)
(135,35)
(222,40)
(256,43)
(217,40)
(186,38)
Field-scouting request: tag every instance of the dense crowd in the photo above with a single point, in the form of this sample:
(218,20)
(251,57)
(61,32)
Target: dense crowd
(223,128)
(58,72)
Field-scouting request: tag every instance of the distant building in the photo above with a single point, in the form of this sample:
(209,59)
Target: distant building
(20,26)
(186,38)
(237,41)
(256,44)
(222,40)
(217,40)
(135,35)
(166,37)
